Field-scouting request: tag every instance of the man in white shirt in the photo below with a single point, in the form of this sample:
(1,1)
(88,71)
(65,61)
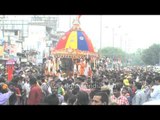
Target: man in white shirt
(26,89)
(155,94)
(153,102)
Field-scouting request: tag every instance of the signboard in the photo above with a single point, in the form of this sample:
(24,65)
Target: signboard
(10,62)
(23,60)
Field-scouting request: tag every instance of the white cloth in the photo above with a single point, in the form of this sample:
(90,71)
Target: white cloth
(86,70)
(153,102)
(75,68)
(49,90)
(64,103)
(155,95)
(26,87)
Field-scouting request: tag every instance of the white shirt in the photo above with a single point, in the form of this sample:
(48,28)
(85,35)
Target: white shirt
(75,68)
(155,95)
(64,103)
(86,70)
(153,102)
(27,88)
(49,90)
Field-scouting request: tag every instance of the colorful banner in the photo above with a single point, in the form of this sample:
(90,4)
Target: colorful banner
(10,62)
(10,69)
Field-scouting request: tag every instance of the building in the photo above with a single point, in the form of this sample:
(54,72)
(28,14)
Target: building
(21,33)
(13,34)
(41,31)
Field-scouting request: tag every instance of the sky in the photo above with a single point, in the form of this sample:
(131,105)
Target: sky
(128,32)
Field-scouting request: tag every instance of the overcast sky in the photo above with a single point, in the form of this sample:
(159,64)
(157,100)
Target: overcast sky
(128,32)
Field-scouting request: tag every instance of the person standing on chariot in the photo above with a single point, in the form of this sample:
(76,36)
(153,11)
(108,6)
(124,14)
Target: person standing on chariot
(82,67)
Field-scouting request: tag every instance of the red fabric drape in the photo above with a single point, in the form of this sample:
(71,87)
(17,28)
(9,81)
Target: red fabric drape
(10,69)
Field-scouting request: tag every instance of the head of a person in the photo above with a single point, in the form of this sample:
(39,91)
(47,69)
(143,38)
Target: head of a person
(81,60)
(26,80)
(54,88)
(72,99)
(126,82)
(43,80)
(157,80)
(129,77)
(92,93)
(52,100)
(106,90)
(3,88)
(32,80)
(138,85)
(58,71)
(116,90)
(148,81)
(15,79)
(39,82)
(67,95)
(82,98)
(100,98)
(124,90)
(75,90)
(2,79)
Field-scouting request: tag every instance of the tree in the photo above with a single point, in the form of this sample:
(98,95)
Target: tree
(127,59)
(151,56)
(136,58)
(113,53)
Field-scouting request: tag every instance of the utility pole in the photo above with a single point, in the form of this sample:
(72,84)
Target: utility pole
(22,36)
(159,58)
(100,33)
(3,25)
(9,44)
(121,42)
(113,36)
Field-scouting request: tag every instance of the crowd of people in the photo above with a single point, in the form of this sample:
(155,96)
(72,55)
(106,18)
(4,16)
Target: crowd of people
(123,86)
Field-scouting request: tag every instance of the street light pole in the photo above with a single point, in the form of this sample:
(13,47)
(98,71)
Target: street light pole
(100,33)
(126,42)
(159,59)
(121,42)
(3,27)
(113,36)
(120,36)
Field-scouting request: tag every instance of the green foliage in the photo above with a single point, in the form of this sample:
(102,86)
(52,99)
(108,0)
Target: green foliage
(113,53)
(136,58)
(151,55)
(127,59)
(110,52)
